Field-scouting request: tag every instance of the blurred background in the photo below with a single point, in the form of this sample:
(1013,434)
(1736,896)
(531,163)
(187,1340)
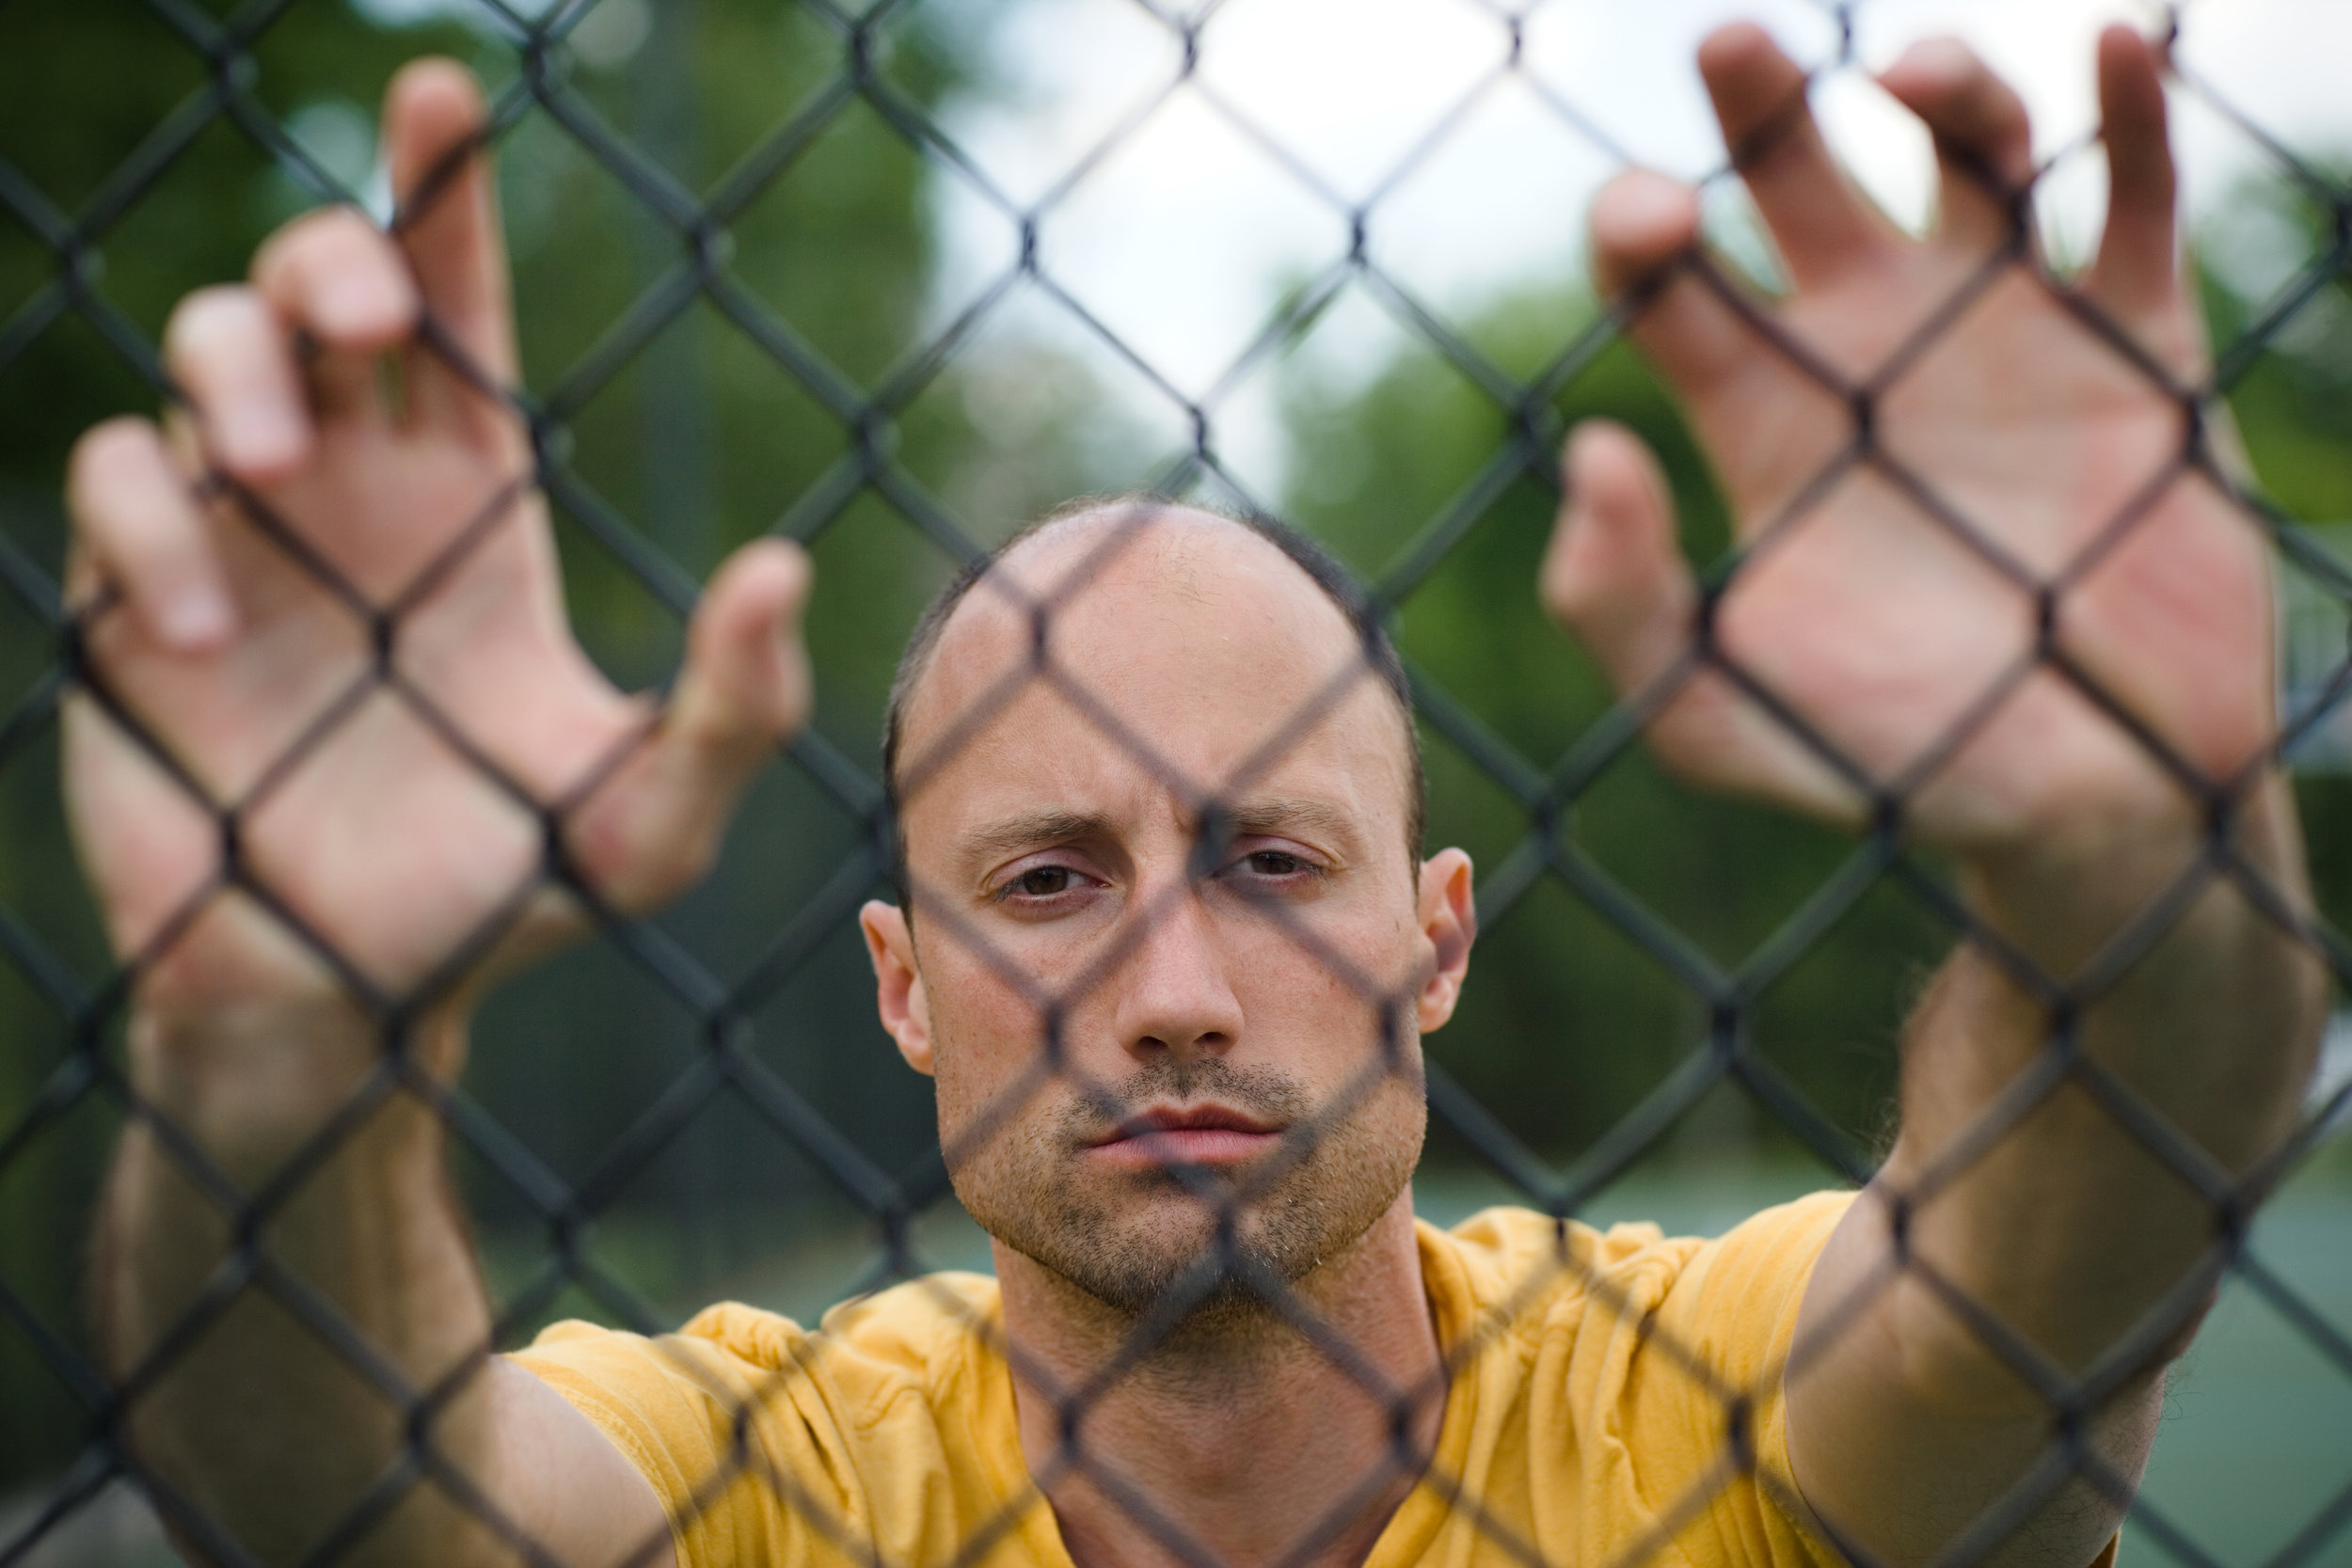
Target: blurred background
(1319,257)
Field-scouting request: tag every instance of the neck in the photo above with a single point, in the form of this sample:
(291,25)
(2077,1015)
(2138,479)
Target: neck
(1240,1432)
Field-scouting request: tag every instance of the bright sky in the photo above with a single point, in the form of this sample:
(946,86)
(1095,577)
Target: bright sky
(1179,239)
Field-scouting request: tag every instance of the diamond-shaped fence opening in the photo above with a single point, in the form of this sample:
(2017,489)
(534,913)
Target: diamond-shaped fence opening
(2017,629)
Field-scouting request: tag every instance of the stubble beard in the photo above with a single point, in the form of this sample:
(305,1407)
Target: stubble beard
(1146,1243)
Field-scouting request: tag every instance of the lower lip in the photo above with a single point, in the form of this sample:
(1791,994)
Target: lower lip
(1185,1146)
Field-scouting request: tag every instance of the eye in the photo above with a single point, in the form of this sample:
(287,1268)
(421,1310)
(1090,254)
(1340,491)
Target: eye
(1273,870)
(1040,882)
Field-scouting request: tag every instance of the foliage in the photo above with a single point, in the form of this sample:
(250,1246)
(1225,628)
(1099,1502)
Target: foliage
(699,439)
(683,446)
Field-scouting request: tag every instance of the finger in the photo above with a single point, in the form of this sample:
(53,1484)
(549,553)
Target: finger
(336,280)
(1645,238)
(447,224)
(2137,270)
(1823,226)
(744,690)
(1614,572)
(1615,575)
(138,524)
(1984,140)
(232,357)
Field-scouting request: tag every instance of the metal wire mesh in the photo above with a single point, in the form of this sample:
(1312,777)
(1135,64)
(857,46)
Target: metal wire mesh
(700,274)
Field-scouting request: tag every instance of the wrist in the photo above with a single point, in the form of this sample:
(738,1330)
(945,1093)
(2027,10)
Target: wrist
(2065,891)
(252,1082)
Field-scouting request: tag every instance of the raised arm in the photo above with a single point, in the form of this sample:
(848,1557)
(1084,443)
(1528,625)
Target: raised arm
(1969,507)
(296,1006)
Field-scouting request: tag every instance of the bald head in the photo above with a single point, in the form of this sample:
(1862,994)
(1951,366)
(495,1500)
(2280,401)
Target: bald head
(1273,588)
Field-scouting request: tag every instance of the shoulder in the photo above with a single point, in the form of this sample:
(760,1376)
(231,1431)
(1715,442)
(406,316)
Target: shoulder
(915,1338)
(1522,1266)
(1517,1271)
(886,1416)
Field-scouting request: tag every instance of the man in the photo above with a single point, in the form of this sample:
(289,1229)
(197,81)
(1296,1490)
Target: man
(1170,945)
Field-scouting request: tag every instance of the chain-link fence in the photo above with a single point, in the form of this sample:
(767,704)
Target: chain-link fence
(727,238)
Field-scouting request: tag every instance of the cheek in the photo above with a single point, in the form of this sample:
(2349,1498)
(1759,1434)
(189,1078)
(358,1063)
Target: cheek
(1331,991)
(984,1038)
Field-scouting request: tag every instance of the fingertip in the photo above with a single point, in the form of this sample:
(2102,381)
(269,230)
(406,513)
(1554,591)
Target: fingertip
(433,106)
(1927,71)
(261,451)
(1733,51)
(770,575)
(109,444)
(1640,221)
(1598,436)
(1748,75)
(2121,47)
(435,93)
(1614,471)
(1593,444)
(791,566)
(2131,85)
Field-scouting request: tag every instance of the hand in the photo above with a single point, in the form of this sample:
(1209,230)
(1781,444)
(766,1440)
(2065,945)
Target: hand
(1858,610)
(353,814)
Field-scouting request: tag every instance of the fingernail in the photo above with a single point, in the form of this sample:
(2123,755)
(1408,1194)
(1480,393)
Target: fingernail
(1944,61)
(353,306)
(260,441)
(196,616)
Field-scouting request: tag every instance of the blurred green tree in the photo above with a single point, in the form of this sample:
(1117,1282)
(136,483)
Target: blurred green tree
(676,443)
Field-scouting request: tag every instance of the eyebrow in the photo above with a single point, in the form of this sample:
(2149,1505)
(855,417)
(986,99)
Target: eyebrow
(1251,816)
(1027,830)
(1266,814)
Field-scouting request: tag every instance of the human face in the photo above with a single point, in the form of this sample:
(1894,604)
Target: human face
(1134,1026)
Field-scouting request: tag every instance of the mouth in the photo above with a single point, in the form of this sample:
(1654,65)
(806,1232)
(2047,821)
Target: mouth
(1206,1134)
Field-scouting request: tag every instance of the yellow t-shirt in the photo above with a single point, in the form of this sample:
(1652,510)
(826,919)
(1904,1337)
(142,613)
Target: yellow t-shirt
(1614,1398)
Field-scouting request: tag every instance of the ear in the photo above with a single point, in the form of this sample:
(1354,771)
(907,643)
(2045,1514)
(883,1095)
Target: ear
(906,1012)
(1449,922)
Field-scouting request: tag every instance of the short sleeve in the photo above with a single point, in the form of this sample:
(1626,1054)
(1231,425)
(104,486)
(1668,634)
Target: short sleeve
(691,1415)
(1706,1411)
(886,1434)
(1734,1310)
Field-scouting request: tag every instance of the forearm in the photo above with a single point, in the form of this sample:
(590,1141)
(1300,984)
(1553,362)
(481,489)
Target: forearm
(2070,1227)
(2048,1216)
(262,1424)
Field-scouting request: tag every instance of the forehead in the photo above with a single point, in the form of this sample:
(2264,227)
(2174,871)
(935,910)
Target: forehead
(1173,642)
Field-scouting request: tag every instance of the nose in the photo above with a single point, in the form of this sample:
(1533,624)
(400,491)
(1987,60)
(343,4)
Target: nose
(1173,993)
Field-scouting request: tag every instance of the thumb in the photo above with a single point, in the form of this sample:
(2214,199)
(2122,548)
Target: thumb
(744,690)
(1613,574)
(745,687)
